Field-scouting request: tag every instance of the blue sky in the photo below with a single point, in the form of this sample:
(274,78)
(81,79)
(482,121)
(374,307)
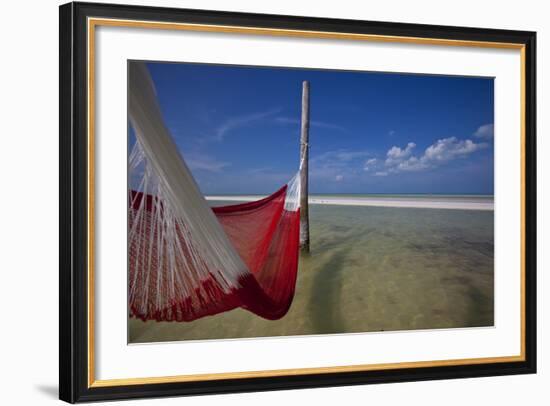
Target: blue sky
(238,129)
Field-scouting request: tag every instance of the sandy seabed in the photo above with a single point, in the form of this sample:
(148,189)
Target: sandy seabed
(371,269)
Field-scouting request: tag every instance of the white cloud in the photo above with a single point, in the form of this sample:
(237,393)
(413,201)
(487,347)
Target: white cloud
(412,164)
(447,149)
(485,131)
(442,151)
(395,154)
(370,163)
(339,178)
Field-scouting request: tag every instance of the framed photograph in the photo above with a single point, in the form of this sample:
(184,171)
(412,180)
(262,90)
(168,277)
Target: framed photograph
(257,202)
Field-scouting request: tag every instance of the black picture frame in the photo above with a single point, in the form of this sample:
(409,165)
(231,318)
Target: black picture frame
(74,385)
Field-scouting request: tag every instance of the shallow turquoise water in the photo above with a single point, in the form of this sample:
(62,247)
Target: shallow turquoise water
(372,269)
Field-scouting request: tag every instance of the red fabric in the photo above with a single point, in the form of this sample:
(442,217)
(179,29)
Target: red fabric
(266,237)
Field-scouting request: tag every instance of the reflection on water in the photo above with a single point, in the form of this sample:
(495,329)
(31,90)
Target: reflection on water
(371,269)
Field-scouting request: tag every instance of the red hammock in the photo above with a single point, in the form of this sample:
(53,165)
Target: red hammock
(265,235)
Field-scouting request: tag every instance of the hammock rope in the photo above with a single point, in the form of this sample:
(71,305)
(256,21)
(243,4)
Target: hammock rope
(186,259)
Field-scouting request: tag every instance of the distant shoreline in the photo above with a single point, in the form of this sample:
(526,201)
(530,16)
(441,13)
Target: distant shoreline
(424,202)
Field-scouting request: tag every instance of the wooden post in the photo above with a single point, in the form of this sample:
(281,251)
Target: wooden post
(304,174)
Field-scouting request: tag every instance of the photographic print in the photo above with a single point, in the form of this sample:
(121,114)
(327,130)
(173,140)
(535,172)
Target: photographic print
(272,201)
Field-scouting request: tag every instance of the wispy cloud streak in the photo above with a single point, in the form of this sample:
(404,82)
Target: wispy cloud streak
(241,121)
(312,123)
(337,165)
(203,162)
